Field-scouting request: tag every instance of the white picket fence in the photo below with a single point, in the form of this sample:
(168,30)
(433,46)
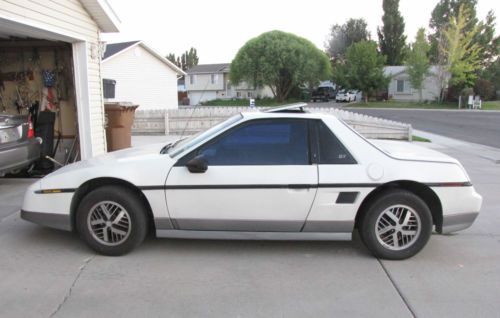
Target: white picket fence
(190,120)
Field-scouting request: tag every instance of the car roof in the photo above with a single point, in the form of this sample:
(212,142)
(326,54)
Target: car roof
(298,110)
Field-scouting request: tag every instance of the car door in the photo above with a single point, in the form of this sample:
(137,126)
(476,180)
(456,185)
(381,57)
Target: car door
(260,177)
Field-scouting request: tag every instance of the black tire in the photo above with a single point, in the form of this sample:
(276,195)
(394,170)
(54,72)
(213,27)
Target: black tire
(378,217)
(314,101)
(133,222)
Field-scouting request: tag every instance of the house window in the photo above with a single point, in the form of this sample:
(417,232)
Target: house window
(400,86)
(238,94)
(191,79)
(249,95)
(214,78)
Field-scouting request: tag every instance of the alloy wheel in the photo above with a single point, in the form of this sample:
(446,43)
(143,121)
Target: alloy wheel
(398,227)
(109,223)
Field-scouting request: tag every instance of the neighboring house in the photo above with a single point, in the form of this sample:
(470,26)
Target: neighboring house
(142,75)
(70,26)
(400,87)
(207,82)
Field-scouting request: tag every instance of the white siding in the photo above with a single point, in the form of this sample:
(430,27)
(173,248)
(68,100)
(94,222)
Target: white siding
(69,19)
(203,82)
(430,89)
(196,97)
(143,79)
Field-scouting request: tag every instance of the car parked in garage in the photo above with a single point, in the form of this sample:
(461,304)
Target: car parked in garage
(19,148)
(284,174)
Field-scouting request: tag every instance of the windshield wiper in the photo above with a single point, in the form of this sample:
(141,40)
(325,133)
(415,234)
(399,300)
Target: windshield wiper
(165,148)
(170,145)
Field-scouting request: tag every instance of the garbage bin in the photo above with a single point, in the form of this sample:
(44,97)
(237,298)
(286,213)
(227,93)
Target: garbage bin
(120,117)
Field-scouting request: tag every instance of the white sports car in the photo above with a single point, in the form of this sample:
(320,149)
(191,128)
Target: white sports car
(283,174)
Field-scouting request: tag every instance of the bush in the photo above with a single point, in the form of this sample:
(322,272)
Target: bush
(485,89)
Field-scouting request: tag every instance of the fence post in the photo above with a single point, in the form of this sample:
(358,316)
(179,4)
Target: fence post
(167,124)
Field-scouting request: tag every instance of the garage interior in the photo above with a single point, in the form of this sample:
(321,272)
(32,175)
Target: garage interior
(37,80)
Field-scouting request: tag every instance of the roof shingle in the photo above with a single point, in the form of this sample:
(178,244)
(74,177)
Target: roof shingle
(112,49)
(209,68)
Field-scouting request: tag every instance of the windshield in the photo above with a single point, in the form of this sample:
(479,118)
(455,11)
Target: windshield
(183,144)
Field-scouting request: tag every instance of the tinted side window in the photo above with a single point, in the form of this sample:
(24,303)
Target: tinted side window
(277,142)
(331,150)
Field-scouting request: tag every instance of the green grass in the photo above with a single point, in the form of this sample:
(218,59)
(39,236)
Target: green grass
(401,104)
(418,138)
(489,105)
(264,102)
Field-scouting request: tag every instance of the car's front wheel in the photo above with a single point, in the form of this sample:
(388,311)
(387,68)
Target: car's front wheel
(396,225)
(112,220)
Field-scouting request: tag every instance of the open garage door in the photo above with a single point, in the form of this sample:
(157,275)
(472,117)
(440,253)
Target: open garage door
(55,80)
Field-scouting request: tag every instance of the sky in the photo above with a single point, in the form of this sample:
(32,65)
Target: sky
(218,28)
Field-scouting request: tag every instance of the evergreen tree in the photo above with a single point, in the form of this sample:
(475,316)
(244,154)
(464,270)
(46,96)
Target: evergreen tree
(392,41)
(187,60)
(343,36)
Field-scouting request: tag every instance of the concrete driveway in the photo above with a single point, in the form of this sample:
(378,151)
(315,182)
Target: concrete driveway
(49,273)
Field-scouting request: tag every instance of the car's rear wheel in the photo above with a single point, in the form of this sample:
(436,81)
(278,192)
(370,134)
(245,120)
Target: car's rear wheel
(397,225)
(112,220)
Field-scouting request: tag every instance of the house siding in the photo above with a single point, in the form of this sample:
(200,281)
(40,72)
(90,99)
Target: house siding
(203,90)
(141,78)
(70,19)
(203,82)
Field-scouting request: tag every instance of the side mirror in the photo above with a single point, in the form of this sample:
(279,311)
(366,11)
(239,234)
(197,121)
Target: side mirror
(197,165)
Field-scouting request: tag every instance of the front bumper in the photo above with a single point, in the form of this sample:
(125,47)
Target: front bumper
(53,220)
(461,206)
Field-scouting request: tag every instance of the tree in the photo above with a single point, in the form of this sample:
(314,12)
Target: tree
(280,60)
(417,64)
(460,49)
(492,73)
(343,36)
(362,69)
(484,30)
(187,60)
(485,38)
(392,40)
(440,18)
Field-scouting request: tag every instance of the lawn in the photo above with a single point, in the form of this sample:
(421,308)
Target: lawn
(245,102)
(418,138)
(492,105)
(400,104)
(489,105)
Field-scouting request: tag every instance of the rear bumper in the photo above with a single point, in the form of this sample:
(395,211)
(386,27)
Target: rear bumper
(19,155)
(457,222)
(53,220)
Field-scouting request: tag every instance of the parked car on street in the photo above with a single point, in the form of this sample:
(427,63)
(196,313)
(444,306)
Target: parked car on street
(346,96)
(323,93)
(19,148)
(283,174)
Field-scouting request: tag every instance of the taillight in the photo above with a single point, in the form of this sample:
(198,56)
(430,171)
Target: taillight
(31,131)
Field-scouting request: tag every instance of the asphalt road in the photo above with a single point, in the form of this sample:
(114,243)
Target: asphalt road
(482,127)
(50,273)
